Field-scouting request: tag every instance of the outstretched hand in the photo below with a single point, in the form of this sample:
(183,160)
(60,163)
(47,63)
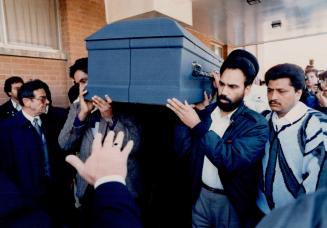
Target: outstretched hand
(185,112)
(105,160)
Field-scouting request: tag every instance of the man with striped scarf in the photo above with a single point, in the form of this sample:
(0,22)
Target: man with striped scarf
(295,153)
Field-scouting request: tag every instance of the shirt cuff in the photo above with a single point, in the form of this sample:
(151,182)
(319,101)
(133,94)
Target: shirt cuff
(111,178)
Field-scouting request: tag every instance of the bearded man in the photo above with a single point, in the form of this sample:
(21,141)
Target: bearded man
(224,144)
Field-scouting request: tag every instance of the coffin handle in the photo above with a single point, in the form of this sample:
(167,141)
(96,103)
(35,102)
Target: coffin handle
(198,72)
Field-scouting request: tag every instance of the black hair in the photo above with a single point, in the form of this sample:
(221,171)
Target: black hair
(46,89)
(27,90)
(80,64)
(73,93)
(287,70)
(8,83)
(323,75)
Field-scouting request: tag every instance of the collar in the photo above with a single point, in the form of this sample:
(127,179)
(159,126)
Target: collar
(16,105)
(76,101)
(228,116)
(238,111)
(210,108)
(297,112)
(31,118)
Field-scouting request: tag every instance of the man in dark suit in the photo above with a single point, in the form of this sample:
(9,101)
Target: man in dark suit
(31,164)
(12,106)
(55,118)
(106,169)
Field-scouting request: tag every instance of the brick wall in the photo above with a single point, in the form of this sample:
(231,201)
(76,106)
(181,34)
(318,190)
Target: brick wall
(78,19)
(53,72)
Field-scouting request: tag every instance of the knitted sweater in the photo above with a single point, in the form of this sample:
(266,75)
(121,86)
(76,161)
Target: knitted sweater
(294,156)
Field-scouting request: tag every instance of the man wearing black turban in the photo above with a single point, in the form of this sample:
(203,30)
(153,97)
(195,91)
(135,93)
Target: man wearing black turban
(224,144)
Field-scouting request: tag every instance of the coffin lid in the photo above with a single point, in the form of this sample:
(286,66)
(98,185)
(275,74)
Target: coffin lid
(145,28)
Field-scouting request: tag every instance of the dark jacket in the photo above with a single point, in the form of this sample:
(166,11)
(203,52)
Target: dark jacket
(237,155)
(310,99)
(23,186)
(7,110)
(114,207)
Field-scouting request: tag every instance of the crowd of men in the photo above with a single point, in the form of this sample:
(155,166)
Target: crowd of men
(243,166)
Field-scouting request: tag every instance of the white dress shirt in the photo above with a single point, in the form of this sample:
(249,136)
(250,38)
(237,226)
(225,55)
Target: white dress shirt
(31,118)
(16,105)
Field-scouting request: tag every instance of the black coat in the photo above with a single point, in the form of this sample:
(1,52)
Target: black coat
(7,110)
(237,155)
(115,207)
(23,187)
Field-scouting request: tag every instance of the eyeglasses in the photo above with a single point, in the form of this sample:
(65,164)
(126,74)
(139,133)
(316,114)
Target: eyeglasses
(42,99)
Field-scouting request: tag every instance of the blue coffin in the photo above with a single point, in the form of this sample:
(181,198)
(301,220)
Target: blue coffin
(147,61)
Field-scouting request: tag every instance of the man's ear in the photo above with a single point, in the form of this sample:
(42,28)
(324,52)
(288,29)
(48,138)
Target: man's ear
(26,102)
(298,94)
(10,94)
(247,90)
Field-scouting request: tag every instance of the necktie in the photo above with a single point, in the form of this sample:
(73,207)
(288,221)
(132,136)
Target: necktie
(44,147)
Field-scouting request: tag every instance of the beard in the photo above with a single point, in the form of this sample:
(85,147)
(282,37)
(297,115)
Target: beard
(228,105)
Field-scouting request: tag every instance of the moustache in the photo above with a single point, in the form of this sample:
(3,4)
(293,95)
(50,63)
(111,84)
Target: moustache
(274,102)
(224,98)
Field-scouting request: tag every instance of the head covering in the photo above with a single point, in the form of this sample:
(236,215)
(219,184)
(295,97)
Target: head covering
(310,68)
(243,60)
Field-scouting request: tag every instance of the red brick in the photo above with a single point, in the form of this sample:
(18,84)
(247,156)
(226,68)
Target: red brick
(78,19)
